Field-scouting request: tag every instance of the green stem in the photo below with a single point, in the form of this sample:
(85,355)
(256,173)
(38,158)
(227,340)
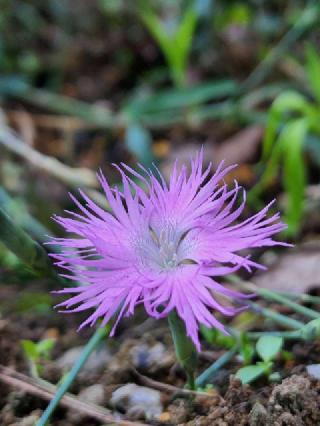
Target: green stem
(276,297)
(271,295)
(284,334)
(207,375)
(185,350)
(275,316)
(99,334)
(302,297)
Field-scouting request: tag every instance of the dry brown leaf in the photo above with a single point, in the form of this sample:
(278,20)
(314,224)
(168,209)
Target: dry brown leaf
(296,271)
(241,147)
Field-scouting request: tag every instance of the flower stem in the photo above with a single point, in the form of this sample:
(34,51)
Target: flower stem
(207,375)
(275,316)
(301,297)
(99,334)
(271,295)
(295,335)
(274,296)
(185,350)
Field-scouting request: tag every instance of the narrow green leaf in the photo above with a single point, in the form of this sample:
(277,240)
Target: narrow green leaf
(268,347)
(158,32)
(154,25)
(180,98)
(175,46)
(24,247)
(313,70)
(287,102)
(183,40)
(272,167)
(294,171)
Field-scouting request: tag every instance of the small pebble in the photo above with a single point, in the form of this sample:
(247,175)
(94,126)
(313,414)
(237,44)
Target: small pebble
(144,356)
(96,362)
(135,400)
(94,394)
(314,370)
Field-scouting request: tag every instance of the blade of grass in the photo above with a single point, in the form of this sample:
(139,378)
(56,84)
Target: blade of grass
(97,337)
(209,373)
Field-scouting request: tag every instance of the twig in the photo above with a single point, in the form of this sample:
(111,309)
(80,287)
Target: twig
(46,391)
(75,177)
(50,121)
(163,387)
(69,175)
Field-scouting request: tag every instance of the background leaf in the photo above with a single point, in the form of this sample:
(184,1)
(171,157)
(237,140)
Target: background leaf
(30,349)
(313,71)
(250,373)
(268,347)
(294,171)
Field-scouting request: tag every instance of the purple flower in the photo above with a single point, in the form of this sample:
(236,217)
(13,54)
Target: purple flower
(162,246)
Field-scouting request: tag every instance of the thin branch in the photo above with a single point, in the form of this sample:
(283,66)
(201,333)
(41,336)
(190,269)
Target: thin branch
(50,121)
(69,175)
(74,177)
(163,387)
(46,391)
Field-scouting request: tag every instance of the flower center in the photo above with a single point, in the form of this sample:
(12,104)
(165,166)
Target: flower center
(162,248)
(168,248)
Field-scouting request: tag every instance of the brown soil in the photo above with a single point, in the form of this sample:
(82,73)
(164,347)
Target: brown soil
(295,401)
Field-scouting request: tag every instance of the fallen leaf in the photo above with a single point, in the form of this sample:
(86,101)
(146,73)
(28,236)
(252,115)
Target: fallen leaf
(239,148)
(295,271)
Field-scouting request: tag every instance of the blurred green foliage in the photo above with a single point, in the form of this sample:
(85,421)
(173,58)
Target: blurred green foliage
(174,37)
(267,348)
(166,63)
(245,347)
(36,353)
(293,120)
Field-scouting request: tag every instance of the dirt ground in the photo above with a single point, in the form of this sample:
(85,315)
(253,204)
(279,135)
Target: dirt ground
(144,363)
